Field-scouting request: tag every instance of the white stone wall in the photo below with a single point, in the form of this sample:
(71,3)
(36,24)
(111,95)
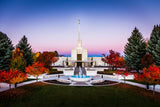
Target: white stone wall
(73,55)
(60,62)
(79,50)
(98,61)
(84,55)
(68,72)
(91,72)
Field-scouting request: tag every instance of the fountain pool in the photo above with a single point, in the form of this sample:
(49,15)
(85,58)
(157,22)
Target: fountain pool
(80,78)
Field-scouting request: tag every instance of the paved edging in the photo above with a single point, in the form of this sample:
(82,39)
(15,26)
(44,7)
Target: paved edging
(111,79)
(134,84)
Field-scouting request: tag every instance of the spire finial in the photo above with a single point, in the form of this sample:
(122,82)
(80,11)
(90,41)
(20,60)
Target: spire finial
(79,21)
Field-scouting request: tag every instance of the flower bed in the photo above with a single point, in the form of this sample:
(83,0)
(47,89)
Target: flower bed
(57,82)
(106,82)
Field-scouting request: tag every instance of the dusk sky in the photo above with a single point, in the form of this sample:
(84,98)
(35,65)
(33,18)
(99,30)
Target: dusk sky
(52,25)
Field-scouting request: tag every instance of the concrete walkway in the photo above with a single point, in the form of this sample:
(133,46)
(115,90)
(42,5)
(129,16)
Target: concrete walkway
(157,88)
(23,83)
(81,84)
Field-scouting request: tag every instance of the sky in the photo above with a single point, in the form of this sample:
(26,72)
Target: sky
(52,25)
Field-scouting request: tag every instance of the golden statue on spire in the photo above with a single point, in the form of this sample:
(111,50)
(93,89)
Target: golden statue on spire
(79,21)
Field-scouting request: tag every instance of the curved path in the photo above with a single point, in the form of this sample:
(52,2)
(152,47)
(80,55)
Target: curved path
(157,88)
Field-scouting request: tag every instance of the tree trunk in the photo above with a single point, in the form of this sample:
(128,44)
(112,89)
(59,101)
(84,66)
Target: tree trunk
(9,86)
(115,68)
(15,85)
(147,85)
(153,89)
(137,71)
(112,68)
(36,78)
(10,91)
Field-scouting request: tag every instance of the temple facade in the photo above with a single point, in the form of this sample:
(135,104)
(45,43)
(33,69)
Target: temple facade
(79,56)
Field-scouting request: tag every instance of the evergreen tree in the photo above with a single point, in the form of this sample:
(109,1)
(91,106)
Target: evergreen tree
(134,50)
(56,53)
(6,48)
(156,54)
(154,45)
(26,49)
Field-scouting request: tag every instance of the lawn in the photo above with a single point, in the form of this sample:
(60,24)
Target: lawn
(55,71)
(108,72)
(41,94)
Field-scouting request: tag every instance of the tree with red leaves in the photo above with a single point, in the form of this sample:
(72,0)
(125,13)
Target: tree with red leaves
(150,75)
(114,59)
(3,76)
(123,73)
(147,60)
(47,58)
(12,77)
(36,69)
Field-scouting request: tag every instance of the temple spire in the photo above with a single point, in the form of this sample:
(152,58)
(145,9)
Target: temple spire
(79,31)
(79,42)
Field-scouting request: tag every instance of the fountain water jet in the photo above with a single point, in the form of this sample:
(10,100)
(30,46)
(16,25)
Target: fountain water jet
(80,77)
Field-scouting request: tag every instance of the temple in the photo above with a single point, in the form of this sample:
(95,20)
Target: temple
(79,55)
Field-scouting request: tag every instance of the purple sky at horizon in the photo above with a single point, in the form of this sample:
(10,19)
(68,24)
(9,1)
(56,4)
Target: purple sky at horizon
(52,25)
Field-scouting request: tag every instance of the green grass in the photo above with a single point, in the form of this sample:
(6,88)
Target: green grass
(107,72)
(65,96)
(112,71)
(55,71)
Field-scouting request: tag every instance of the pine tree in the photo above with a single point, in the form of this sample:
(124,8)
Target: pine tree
(135,49)
(26,49)
(56,53)
(6,48)
(156,54)
(154,45)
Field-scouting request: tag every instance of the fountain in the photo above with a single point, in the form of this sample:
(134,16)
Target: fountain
(80,77)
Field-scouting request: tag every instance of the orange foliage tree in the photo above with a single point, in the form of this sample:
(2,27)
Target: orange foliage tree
(12,77)
(114,59)
(150,75)
(36,69)
(47,58)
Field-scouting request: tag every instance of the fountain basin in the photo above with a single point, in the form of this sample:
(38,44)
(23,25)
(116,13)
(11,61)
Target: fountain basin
(80,78)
